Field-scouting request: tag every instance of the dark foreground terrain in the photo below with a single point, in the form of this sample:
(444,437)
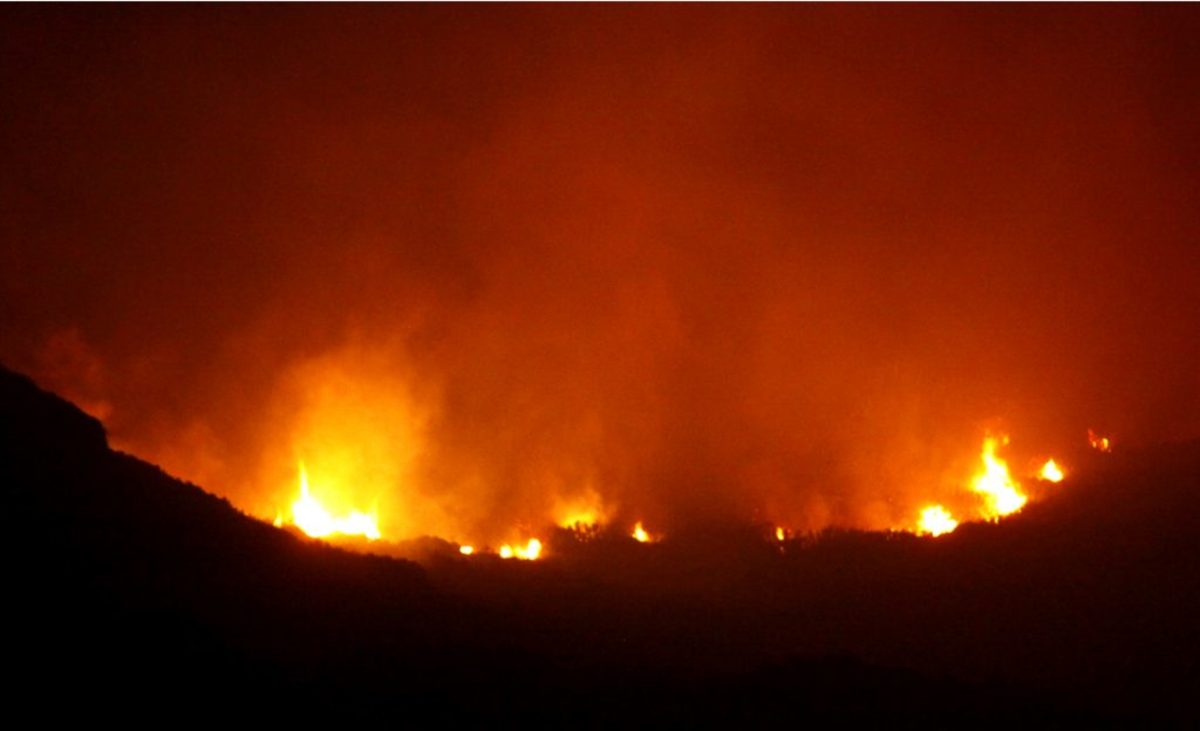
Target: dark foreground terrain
(131,594)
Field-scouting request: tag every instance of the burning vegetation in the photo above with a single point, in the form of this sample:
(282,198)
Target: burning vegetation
(1098,442)
(314,519)
(935,520)
(530,551)
(996,493)
(675,313)
(1051,472)
(641,535)
(1001,493)
(146,548)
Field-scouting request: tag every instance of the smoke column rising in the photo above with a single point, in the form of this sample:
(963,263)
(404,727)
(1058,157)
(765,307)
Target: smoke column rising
(691,264)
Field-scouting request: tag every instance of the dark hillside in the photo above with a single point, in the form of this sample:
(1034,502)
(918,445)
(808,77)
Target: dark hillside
(129,591)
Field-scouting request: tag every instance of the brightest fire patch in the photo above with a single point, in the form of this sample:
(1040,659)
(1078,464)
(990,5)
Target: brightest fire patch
(311,517)
(531,551)
(935,521)
(1002,494)
(1051,472)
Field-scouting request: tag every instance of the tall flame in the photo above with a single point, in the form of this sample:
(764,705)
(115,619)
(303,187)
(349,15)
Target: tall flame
(315,520)
(1002,493)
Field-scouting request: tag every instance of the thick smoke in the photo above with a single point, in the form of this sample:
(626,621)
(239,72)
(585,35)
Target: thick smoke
(483,266)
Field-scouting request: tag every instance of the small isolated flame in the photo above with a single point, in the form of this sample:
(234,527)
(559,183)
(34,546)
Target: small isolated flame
(996,485)
(780,534)
(641,535)
(529,552)
(1051,472)
(466,550)
(1104,444)
(311,517)
(935,520)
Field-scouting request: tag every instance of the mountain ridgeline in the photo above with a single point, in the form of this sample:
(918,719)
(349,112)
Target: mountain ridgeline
(132,593)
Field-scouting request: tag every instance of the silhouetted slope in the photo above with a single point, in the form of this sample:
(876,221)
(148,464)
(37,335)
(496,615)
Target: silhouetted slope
(128,589)
(1091,598)
(122,576)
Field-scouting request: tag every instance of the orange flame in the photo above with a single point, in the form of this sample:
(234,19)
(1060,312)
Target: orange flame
(1002,493)
(529,552)
(315,520)
(936,520)
(1051,472)
(641,535)
(583,513)
(1104,444)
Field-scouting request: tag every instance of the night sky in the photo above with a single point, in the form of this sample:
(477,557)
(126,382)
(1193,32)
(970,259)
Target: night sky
(690,264)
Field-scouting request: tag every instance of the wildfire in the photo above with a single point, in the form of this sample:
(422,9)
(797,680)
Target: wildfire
(1002,493)
(315,520)
(936,520)
(529,552)
(1001,496)
(1103,444)
(1051,472)
(641,535)
(580,522)
(584,513)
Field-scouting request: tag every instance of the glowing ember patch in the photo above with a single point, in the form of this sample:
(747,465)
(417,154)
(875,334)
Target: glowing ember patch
(1003,495)
(466,550)
(311,517)
(936,520)
(581,522)
(1103,444)
(529,552)
(1051,472)
(584,513)
(780,534)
